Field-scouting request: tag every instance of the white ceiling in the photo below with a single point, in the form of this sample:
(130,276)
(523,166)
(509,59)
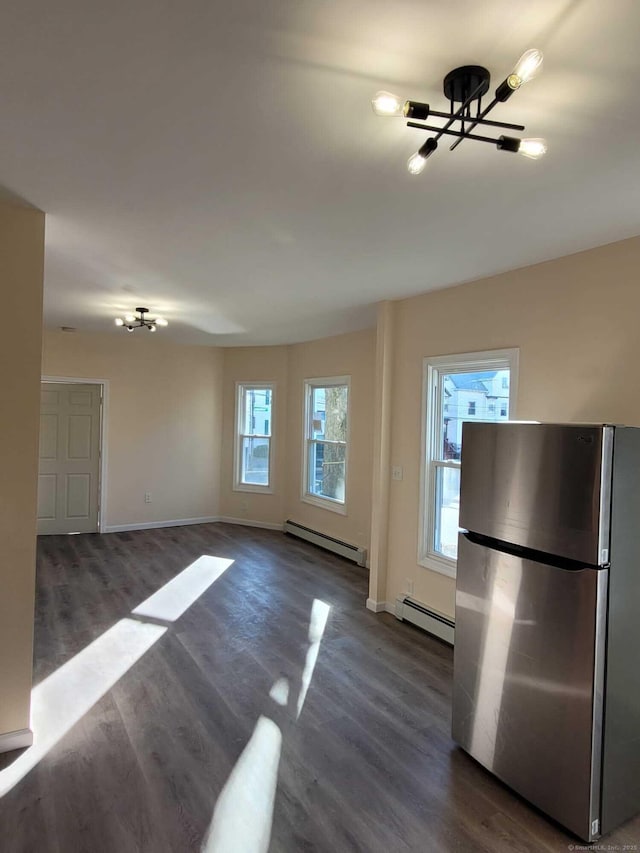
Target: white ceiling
(220,162)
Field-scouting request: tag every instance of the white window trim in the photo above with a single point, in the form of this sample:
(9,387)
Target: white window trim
(431,413)
(305,495)
(239,486)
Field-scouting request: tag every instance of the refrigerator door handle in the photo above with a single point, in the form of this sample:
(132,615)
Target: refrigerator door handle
(597,734)
(604,514)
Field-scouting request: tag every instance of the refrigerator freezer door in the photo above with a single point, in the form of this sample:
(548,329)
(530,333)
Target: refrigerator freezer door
(528,678)
(542,486)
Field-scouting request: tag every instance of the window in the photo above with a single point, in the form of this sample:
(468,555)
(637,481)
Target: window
(325,442)
(254,418)
(453,377)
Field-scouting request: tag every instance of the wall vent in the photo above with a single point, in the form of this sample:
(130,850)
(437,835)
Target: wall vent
(429,620)
(329,543)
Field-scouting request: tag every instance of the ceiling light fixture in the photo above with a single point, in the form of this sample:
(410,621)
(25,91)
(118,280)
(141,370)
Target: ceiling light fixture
(464,86)
(131,322)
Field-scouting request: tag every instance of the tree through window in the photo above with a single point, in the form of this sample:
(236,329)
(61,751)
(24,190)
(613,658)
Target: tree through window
(326,437)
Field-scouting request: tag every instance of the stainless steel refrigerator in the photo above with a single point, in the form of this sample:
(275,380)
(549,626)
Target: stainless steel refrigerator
(547,639)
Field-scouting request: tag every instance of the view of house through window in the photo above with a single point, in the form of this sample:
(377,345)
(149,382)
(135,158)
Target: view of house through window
(326,410)
(458,389)
(253,447)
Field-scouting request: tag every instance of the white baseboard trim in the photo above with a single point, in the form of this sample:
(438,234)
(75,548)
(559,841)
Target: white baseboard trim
(16,740)
(389,608)
(246,522)
(151,525)
(377,606)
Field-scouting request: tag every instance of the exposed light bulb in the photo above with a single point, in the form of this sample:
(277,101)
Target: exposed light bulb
(416,163)
(119,321)
(527,67)
(151,328)
(533,148)
(129,318)
(129,328)
(160,321)
(388,104)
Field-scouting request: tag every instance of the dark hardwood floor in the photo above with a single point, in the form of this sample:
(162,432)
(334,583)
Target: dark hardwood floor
(368,765)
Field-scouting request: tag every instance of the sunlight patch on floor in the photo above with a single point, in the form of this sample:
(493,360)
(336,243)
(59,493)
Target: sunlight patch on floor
(317,625)
(58,702)
(244,812)
(243,816)
(280,692)
(178,594)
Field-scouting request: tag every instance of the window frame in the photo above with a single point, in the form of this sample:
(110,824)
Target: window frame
(238,485)
(433,367)
(321,501)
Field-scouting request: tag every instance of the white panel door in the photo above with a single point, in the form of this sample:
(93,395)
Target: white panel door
(68,478)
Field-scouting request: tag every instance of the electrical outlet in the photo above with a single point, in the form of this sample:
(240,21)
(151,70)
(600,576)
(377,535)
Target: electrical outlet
(396,472)
(147,497)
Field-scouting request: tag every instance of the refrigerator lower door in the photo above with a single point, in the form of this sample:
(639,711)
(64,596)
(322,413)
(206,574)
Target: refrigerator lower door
(528,678)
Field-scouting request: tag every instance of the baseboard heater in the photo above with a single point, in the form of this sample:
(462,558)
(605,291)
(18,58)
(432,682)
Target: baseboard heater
(329,543)
(429,620)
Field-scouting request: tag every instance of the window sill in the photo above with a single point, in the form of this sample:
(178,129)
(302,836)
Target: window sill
(325,503)
(256,490)
(443,567)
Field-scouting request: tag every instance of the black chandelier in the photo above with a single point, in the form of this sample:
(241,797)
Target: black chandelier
(131,322)
(464,86)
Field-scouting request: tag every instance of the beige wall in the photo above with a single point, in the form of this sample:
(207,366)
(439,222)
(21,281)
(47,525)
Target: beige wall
(164,421)
(174,408)
(21,272)
(255,364)
(575,321)
(353,355)
(381,454)
(288,366)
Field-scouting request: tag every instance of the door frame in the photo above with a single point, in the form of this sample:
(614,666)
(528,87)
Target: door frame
(103,445)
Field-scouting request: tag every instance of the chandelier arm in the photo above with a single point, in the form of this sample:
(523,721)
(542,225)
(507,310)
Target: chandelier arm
(476,121)
(460,111)
(505,124)
(441,130)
